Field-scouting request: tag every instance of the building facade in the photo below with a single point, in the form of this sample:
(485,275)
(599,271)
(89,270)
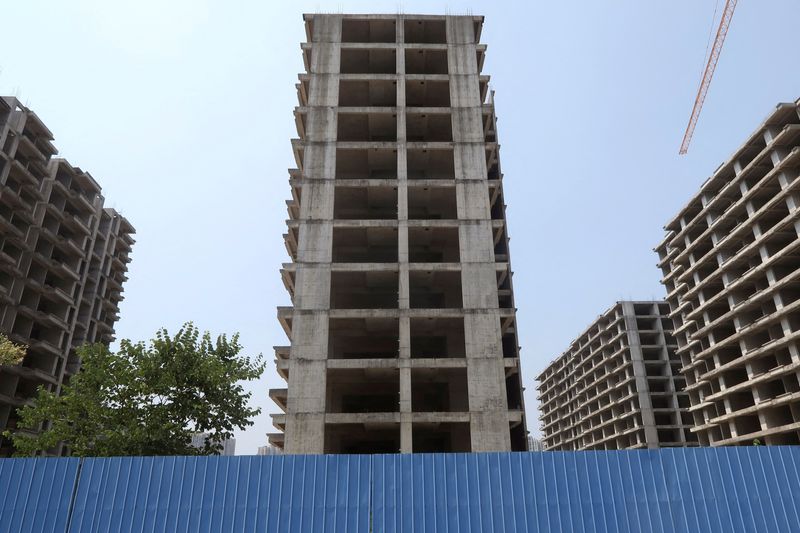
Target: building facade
(535,445)
(63,259)
(731,265)
(618,385)
(402,329)
(269,450)
(228,445)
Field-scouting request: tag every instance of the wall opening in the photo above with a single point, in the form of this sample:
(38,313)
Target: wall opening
(422,61)
(429,127)
(366,127)
(364,290)
(368,31)
(433,245)
(374,163)
(362,438)
(367,93)
(432,203)
(439,337)
(368,61)
(441,437)
(425,31)
(434,289)
(437,164)
(363,338)
(365,203)
(439,390)
(363,390)
(427,93)
(364,245)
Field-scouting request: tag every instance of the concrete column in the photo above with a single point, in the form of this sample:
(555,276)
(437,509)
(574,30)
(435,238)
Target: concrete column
(305,420)
(640,375)
(406,426)
(406,442)
(484,351)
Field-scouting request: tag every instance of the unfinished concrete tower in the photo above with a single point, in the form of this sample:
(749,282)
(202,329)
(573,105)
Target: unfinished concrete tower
(731,264)
(618,385)
(63,259)
(403,332)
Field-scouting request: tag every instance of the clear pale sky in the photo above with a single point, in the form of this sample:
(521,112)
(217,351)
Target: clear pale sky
(182,111)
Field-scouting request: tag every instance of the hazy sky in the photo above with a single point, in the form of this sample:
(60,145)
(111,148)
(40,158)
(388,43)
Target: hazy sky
(182,111)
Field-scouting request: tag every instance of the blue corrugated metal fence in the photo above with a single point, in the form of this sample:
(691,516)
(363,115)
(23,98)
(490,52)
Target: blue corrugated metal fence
(35,494)
(248,493)
(699,489)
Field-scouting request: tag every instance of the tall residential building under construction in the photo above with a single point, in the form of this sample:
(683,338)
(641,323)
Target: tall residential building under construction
(618,385)
(63,259)
(731,264)
(403,329)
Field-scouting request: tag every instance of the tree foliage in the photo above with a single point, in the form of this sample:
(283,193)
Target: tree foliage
(146,399)
(10,352)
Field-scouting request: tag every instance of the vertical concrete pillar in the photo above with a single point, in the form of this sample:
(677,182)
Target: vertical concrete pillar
(489,429)
(640,375)
(305,420)
(406,426)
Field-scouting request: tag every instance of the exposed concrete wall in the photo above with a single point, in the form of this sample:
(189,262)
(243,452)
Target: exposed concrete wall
(305,425)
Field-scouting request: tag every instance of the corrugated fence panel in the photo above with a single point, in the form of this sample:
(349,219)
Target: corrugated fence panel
(35,494)
(661,491)
(231,494)
(669,490)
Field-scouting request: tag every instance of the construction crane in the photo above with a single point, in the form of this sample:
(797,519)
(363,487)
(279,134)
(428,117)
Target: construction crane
(722,31)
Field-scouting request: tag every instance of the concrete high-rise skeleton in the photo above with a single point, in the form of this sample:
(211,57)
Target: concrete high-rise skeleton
(731,264)
(63,259)
(618,386)
(403,328)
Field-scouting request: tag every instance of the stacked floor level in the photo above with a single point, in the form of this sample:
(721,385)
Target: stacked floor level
(403,328)
(731,264)
(617,386)
(63,259)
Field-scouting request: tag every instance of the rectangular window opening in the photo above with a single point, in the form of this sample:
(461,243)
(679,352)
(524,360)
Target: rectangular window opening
(363,338)
(440,337)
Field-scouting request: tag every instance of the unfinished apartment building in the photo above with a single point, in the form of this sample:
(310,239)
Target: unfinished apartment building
(618,385)
(403,330)
(731,264)
(63,259)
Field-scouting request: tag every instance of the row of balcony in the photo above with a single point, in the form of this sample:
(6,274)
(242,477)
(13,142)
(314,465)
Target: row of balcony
(429,128)
(423,92)
(369,334)
(370,29)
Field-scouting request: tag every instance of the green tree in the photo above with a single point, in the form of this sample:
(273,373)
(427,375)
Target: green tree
(146,399)
(10,353)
